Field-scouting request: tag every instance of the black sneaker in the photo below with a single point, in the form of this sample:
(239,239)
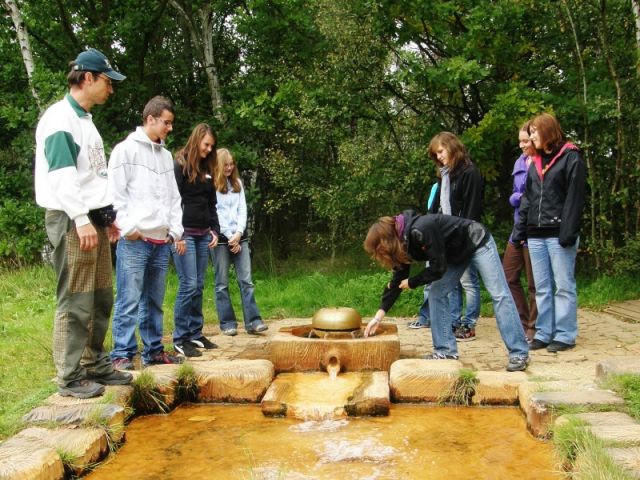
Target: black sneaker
(555,346)
(257,326)
(204,342)
(517,364)
(114,378)
(187,349)
(163,358)
(537,344)
(81,389)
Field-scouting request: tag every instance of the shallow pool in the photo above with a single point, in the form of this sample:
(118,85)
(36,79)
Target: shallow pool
(413,442)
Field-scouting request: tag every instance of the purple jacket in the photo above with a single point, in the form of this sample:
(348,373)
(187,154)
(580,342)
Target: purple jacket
(519,174)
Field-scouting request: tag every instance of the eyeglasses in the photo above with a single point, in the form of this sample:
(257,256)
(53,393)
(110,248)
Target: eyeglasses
(106,79)
(167,123)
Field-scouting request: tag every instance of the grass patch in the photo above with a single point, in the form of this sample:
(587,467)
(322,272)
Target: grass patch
(628,387)
(583,454)
(462,390)
(187,387)
(146,397)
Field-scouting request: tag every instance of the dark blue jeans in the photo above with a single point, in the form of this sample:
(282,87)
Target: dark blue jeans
(141,272)
(191,268)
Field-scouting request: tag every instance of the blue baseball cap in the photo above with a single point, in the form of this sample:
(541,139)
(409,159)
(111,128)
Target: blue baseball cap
(93,60)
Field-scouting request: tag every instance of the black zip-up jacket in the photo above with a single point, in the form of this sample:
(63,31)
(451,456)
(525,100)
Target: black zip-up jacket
(467,189)
(440,239)
(553,198)
(198,201)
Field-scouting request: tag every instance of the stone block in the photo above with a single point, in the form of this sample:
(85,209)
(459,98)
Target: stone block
(542,406)
(109,416)
(627,458)
(291,350)
(319,396)
(617,434)
(22,458)
(85,445)
(237,381)
(498,388)
(415,380)
(618,366)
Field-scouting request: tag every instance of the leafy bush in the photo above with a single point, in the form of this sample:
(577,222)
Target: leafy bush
(22,234)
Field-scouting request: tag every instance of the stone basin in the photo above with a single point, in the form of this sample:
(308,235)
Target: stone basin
(292,350)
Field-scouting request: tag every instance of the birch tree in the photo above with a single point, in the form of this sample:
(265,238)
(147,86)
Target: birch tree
(25,44)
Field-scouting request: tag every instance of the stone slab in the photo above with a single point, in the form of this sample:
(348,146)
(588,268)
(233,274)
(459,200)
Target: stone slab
(117,395)
(627,458)
(290,350)
(598,418)
(415,380)
(23,458)
(541,407)
(111,416)
(320,396)
(618,366)
(85,445)
(616,434)
(166,377)
(498,388)
(237,381)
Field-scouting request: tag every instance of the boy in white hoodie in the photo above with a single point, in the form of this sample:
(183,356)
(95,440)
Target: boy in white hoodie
(149,215)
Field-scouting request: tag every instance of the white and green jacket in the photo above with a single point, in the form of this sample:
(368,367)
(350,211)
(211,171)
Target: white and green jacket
(144,189)
(71,167)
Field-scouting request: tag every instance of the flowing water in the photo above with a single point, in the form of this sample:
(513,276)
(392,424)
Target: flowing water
(413,442)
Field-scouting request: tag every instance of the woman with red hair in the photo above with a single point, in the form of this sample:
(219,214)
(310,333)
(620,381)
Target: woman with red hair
(550,213)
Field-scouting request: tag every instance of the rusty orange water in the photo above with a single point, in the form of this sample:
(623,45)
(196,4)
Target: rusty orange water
(413,442)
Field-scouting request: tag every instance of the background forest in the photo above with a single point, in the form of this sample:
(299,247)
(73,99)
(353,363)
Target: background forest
(329,105)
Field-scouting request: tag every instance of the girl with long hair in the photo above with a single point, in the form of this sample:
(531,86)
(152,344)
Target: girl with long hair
(450,244)
(459,193)
(194,167)
(233,248)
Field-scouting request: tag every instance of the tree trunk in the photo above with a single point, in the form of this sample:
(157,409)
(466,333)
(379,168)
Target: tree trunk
(585,139)
(200,26)
(635,6)
(25,45)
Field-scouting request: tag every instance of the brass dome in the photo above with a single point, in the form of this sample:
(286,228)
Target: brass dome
(340,318)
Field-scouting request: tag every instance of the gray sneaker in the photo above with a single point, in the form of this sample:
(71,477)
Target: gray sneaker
(81,389)
(257,326)
(517,364)
(231,332)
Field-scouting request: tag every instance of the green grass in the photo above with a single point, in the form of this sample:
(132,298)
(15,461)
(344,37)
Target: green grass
(295,288)
(583,454)
(628,386)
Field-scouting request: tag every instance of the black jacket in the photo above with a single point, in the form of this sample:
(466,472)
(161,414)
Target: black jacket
(466,193)
(439,239)
(553,201)
(198,202)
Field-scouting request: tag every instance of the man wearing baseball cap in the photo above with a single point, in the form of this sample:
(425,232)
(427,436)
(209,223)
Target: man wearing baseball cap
(71,184)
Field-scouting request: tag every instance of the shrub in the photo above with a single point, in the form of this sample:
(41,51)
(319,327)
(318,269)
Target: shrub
(22,234)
